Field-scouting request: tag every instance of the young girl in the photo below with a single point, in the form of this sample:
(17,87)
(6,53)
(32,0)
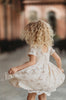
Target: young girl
(39,76)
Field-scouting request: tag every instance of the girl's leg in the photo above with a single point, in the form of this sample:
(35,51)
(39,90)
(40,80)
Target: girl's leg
(31,96)
(42,97)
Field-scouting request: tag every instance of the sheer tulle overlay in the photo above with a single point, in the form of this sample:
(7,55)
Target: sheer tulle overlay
(43,77)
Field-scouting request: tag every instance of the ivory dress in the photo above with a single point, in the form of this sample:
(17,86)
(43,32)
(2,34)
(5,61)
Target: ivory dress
(43,77)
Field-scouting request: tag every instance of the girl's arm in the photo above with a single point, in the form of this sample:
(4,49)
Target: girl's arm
(31,61)
(58,60)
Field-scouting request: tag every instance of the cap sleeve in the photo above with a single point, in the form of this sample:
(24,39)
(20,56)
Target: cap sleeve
(32,51)
(51,51)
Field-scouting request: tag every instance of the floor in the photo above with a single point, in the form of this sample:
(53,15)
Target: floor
(18,57)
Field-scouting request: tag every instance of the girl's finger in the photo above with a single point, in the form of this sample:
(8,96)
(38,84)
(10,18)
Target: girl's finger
(10,72)
(62,70)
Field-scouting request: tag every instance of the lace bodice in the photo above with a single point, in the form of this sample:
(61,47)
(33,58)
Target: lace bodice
(41,56)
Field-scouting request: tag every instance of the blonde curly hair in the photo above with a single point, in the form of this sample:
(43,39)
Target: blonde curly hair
(38,33)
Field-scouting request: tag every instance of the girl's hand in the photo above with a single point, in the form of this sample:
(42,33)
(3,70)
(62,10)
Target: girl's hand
(62,69)
(12,70)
